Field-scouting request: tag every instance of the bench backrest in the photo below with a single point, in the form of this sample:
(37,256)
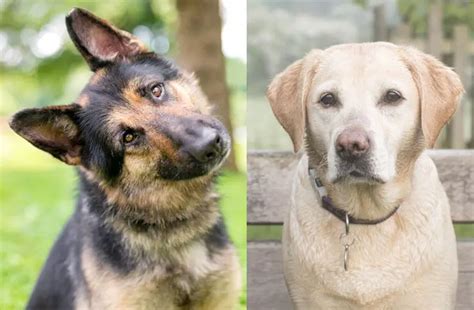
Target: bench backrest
(270,175)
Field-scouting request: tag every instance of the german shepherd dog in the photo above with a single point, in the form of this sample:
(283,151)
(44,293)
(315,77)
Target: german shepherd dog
(147,232)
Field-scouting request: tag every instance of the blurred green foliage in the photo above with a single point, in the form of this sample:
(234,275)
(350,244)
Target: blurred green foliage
(29,78)
(415,13)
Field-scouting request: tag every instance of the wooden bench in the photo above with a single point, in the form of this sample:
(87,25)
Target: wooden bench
(270,175)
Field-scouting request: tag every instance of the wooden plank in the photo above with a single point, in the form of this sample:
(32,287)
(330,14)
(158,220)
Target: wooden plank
(465,295)
(380,24)
(267,290)
(435,29)
(456,172)
(270,177)
(466,256)
(434,47)
(265,285)
(447,45)
(461,66)
(401,34)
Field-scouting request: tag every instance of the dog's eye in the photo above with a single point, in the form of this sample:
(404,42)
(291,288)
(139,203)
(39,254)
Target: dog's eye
(128,137)
(328,100)
(158,90)
(392,96)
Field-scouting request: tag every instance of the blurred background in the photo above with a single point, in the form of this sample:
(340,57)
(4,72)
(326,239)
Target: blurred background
(39,66)
(280,32)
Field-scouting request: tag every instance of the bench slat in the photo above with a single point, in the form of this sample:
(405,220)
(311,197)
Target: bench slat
(270,175)
(267,290)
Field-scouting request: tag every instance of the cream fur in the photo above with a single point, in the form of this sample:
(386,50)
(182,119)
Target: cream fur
(407,262)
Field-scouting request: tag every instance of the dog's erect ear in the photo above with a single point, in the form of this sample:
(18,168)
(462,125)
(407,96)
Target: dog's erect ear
(288,94)
(52,129)
(98,41)
(439,89)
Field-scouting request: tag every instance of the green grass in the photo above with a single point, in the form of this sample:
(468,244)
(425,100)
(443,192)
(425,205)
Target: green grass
(37,195)
(273,232)
(233,189)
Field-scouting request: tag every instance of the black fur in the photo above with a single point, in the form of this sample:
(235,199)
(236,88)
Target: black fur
(217,238)
(54,289)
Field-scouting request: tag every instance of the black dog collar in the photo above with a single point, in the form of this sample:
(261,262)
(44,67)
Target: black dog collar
(327,204)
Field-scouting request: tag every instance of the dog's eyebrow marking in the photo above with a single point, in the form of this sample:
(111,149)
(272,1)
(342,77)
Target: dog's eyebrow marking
(131,92)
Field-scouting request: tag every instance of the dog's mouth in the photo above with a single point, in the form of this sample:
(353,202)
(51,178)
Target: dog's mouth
(355,175)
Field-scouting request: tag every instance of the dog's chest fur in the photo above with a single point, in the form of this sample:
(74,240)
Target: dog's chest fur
(172,283)
(385,261)
(183,265)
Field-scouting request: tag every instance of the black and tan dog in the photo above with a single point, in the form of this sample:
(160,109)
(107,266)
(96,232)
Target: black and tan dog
(147,232)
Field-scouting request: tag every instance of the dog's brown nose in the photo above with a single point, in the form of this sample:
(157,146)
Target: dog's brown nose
(352,143)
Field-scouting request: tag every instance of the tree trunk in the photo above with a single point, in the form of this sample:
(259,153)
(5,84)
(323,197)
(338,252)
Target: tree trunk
(200,51)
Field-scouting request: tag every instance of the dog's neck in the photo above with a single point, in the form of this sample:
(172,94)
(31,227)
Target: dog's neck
(168,215)
(365,201)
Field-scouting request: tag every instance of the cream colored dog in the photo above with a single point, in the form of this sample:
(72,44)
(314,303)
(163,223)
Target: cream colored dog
(365,113)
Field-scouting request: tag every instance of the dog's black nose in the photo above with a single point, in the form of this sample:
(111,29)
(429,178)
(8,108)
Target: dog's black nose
(207,146)
(352,143)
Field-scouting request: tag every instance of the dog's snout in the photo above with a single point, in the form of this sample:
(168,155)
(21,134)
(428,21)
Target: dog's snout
(207,146)
(352,143)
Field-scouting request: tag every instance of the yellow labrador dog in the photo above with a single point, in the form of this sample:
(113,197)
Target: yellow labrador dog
(369,224)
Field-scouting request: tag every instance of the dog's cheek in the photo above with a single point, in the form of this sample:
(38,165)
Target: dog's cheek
(187,93)
(410,149)
(140,168)
(318,136)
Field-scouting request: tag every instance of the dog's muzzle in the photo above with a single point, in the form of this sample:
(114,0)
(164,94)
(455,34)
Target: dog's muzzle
(353,148)
(202,145)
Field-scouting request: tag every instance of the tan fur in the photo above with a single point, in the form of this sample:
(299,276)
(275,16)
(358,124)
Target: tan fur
(440,90)
(83,100)
(186,90)
(131,94)
(288,93)
(409,261)
(188,276)
(97,76)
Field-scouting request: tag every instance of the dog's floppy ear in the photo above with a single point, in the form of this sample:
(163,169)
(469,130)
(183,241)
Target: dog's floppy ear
(288,92)
(52,129)
(439,89)
(98,41)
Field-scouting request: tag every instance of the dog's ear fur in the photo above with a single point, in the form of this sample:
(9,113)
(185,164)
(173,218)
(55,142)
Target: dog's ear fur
(98,41)
(288,94)
(52,129)
(439,89)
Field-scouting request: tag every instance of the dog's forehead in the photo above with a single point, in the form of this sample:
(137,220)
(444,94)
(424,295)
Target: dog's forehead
(108,84)
(362,61)
(151,66)
(145,67)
